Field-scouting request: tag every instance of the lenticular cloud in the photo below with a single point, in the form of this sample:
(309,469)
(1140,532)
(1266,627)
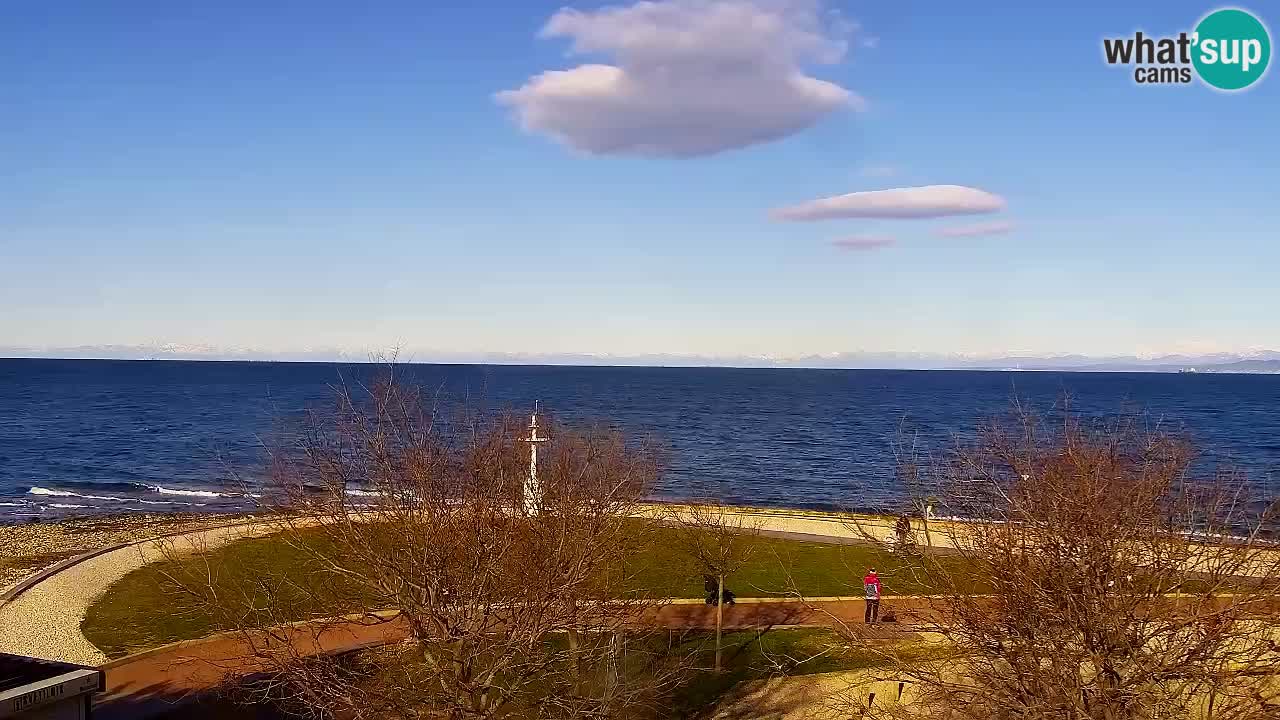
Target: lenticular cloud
(686,77)
(929,201)
(863,242)
(997,227)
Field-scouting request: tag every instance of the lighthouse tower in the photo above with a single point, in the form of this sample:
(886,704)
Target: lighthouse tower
(532,492)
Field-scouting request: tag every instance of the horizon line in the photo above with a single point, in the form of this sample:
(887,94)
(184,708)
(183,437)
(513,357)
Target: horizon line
(1154,369)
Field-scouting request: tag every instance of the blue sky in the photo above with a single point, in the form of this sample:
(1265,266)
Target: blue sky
(345,175)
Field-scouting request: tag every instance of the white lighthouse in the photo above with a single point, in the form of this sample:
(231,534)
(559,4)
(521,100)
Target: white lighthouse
(532,495)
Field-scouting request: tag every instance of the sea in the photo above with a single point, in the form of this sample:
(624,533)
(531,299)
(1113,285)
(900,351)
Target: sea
(83,437)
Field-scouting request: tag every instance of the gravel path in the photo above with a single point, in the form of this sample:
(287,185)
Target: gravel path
(44,621)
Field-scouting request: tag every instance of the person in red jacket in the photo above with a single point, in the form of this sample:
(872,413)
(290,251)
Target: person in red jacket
(871,590)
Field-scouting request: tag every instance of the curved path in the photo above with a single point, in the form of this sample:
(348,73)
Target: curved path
(153,682)
(42,618)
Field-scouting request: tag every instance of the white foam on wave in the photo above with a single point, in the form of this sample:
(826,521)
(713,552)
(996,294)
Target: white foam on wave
(50,493)
(62,506)
(362,493)
(9,504)
(67,493)
(189,493)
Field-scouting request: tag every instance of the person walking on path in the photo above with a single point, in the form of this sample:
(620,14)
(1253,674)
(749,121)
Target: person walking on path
(871,590)
(902,529)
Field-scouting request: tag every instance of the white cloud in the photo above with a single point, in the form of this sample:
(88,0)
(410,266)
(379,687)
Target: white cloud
(995,227)
(688,77)
(929,201)
(863,242)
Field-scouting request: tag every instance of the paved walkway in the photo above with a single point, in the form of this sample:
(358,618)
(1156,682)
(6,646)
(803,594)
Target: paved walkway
(152,682)
(820,526)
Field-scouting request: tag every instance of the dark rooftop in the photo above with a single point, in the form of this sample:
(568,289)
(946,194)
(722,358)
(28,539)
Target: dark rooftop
(17,671)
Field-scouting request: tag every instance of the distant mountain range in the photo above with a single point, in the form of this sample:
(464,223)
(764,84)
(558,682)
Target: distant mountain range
(1257,361)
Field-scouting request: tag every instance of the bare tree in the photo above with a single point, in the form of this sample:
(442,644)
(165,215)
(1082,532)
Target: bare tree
(719,541)
(413,530)
(1097,578)
(921,498)
(918,500)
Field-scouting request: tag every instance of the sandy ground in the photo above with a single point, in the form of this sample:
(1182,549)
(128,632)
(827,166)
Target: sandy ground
(844,526)
(826,696)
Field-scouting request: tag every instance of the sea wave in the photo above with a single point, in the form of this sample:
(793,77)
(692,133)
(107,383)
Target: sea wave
(113,486)
(188,493)
(67,493)
(51,493)
(62,506)
(159,489)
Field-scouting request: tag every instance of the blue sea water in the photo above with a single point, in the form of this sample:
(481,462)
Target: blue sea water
(92,436)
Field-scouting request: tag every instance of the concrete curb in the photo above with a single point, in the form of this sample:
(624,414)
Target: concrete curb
(179,644)
(386,614)
(824,598)
(159,650)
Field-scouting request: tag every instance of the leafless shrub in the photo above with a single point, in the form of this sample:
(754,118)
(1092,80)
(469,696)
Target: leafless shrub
(914,511)
(416,534)
(1098,578)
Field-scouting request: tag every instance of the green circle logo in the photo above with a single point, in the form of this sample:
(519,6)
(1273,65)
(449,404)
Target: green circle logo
(1231,49)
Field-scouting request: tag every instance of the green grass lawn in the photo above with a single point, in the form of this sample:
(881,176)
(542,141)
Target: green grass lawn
(144,610)
(780,567)
(141,611)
